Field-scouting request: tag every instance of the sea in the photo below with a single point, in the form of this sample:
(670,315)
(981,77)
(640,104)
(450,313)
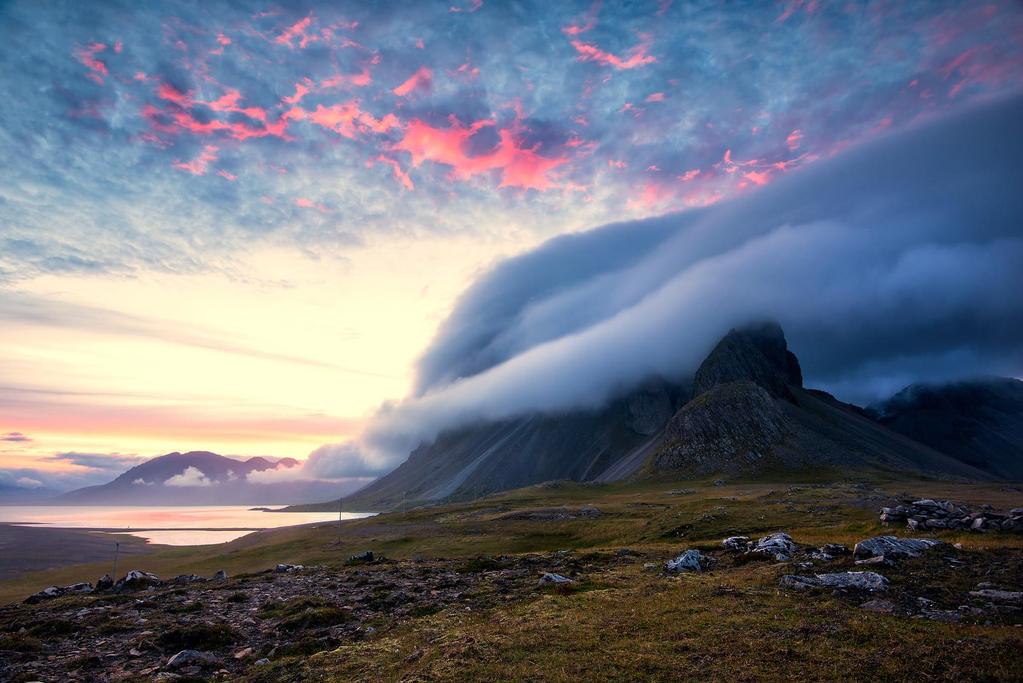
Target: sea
(167,525)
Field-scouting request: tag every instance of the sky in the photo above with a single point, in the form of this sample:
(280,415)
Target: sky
(243,228)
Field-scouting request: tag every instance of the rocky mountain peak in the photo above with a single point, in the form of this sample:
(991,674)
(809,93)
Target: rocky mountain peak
(756,353)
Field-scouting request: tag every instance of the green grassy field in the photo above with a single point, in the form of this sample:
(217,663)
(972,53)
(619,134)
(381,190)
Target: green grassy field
(629,622)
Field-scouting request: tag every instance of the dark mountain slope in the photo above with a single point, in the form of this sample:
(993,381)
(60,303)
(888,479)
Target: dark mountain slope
(497,456)
(979,422)
(750,412)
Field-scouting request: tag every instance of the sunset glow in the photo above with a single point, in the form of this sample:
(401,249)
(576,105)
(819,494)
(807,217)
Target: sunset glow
(236,227)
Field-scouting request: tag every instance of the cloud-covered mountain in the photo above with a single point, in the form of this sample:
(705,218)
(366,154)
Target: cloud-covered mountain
(978,421)
(886,265)
(204,478)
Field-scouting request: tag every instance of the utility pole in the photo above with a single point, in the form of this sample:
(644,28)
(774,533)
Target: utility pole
(117,548)
(340,513)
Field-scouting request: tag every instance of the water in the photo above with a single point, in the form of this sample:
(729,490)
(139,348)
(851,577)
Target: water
(170,525)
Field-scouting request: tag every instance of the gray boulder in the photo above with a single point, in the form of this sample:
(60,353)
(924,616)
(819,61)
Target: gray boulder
(221,575)
(893,547)
(192,658)
(689,561)
(137,579)
(1013,598)
(551,578)
(780,545)
(864,581)
(738,544)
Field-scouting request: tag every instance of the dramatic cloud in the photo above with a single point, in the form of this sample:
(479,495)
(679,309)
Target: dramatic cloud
(334,462)
(888,264)
(493,117)
(191,476)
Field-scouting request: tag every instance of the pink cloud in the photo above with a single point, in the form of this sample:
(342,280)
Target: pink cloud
(87,56)
(399,174)
(420,81)
(199,165)
(793,139)
(473,6)
(758,177)
(689,175)
(617,163)
(519,166)
(298,30)
(229,176)
(301,90)
(346,119)
(591,53)
(591,22)
(655,97)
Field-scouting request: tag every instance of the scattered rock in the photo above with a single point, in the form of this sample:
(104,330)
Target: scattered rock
(864,581)
(690,561)
(243,653)
(737,543)
(1013,598)
(924,514)
(221,575)
(286,568)
(889,547)
(780,545)
(681,492)
(878,605)
(105,583)
(137,579)
(552,578)
(361,558)
(589,511)
(719,482)
(47,593)
(192,658)
(262,662)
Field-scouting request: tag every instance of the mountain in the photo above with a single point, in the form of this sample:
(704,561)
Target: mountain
(201,478)
(979,422)
(490,457)
(744,411)
(750,412)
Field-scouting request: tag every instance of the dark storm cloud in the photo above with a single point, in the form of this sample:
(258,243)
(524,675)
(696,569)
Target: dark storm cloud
(899,261)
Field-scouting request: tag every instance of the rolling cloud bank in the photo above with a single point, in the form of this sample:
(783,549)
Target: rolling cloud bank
(901,260)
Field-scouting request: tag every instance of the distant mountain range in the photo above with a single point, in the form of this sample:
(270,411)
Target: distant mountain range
(201,478)
(744,412)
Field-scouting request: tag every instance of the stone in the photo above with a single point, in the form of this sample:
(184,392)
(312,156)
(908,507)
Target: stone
(105,583)
(137,579)
(690,561)
(589,511)
(892,547)
(285,568)
(737,543)
(48,593)
(552,578)
(361,558)
(779,544)
(192,658)
(719,482)
(1002,597)
(221,575)
(243,653)
(865,581)
(869,581)
(264,661)
(878,605)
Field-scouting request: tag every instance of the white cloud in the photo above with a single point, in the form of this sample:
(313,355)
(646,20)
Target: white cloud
(142,482)
(192,476)
(28,483)
(878,262)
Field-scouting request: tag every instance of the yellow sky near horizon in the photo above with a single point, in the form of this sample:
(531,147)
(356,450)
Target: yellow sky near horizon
(298,353)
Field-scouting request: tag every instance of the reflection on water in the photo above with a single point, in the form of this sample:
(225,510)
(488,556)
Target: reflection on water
(198,525)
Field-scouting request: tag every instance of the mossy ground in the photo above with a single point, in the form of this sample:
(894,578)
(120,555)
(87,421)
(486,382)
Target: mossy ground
(631,623)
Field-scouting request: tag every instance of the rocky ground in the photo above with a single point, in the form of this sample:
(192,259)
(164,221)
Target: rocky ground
(649,581)
(193,627)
